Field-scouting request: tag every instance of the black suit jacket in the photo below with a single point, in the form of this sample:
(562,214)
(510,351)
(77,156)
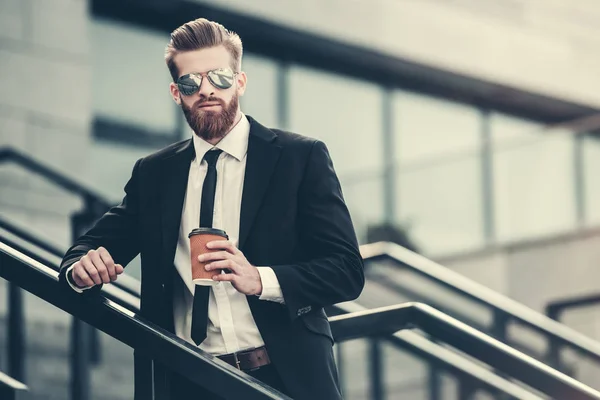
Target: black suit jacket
(293,219)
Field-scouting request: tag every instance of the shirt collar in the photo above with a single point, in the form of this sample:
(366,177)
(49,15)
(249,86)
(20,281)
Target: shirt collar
(235,143)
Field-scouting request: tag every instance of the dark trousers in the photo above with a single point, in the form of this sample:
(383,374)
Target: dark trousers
(184,389)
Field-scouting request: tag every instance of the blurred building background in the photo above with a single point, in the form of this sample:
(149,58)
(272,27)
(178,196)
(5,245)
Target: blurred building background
(467,129)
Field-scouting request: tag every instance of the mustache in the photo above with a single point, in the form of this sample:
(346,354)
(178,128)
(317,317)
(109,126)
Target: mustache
(209,100)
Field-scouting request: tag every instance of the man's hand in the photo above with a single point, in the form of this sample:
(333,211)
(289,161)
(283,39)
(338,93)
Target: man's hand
(243,276)
(96,267)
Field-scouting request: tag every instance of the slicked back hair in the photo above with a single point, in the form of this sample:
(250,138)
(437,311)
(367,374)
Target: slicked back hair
(201,34)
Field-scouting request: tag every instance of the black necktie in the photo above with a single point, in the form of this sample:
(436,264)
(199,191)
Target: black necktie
(201,293)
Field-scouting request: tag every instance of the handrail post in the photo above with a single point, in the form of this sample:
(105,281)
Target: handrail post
(7,393)
(143,376)
(16,332)
(161,381)
(499,325)
(434,382)
(80,363)
(83,336)
(80,222)
(376,369)
(466,389)
(554,348)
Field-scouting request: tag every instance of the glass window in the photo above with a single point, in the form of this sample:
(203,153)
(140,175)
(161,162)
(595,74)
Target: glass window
(440,205)
(427,128)
(506,129)
(344,113)
(347,115)
(130,77)
(109,178)
(591,162)
(533,181)
(260,99)
(363,198)
(439,194)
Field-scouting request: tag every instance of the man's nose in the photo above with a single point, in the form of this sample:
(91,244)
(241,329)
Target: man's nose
(206,89)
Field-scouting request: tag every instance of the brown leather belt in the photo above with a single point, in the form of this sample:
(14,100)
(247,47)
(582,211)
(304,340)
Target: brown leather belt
(248,360)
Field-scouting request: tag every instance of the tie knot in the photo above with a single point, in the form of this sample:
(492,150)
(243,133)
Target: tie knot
(212,156)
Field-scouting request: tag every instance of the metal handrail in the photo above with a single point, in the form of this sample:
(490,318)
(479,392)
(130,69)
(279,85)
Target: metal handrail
(10,154)
(125,282)
(415,262)
(94,205)
(555,308)
(22,233)
(118,292)
(410,341)
(502,358)
(444,276)
(425,348)
(128,327)
(423,266)
(10,387)
(387,330)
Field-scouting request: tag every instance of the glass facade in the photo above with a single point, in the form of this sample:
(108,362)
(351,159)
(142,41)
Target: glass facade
(533,185)
(346,115)
(131,87)
(453,177)
(261,98)
(591,183)
(438,159)
(441,205)
(427,128)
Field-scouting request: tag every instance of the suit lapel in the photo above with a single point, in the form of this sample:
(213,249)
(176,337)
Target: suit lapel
(260,164)
(174,183)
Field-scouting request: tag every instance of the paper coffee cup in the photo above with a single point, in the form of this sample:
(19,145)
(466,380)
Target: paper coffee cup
(199,237)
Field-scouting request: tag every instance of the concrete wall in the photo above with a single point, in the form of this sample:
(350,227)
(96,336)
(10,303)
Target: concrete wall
(546,46)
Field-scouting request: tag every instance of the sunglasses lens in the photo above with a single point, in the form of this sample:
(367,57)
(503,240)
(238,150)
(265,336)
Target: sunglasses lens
(221,78)
(189,84)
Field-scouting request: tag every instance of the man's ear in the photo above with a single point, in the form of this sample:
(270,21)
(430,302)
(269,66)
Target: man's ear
(175,94)
(242,80)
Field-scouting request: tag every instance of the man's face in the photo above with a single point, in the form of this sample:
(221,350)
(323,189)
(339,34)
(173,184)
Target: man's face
(211,111)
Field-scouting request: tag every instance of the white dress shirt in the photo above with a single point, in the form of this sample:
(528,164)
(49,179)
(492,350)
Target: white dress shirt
(230,327)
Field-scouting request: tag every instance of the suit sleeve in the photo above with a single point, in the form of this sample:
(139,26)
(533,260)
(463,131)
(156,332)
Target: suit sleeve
(332,270)
(117,231)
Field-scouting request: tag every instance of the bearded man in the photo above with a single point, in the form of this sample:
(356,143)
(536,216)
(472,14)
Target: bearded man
(291,248)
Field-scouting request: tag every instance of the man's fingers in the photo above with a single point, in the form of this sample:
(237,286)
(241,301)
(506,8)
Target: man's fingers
(108,261)
(90,269)
(224,245)
(100,267)
(216,256)
(119,269)
(96,267)
(223,264)
(80,276)
(225,277)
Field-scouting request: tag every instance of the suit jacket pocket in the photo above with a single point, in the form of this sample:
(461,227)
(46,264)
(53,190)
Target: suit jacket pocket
(318,324)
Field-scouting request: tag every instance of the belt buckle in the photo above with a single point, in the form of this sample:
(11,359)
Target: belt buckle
(237,361)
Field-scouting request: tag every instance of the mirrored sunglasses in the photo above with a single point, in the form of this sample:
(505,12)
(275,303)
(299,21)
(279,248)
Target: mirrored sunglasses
(221,78)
